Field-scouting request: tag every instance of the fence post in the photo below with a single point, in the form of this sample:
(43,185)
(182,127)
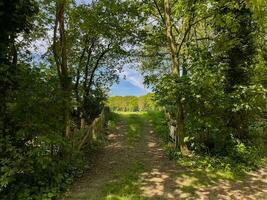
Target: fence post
(93,130)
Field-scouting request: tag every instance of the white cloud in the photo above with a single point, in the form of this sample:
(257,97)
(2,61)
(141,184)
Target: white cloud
(134,77)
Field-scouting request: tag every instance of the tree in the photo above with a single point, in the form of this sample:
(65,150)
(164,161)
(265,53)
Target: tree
(235,40)
(178,30)
(132,103)
(98,38)
(16,18)
(60,55)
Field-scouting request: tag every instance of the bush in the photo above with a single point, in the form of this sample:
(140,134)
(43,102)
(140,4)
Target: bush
(230,159)
(36,161)
(41,170)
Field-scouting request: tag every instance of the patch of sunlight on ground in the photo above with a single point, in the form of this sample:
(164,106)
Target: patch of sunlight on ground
(135,122)
(118,197)
(126,185)
(130,113)
(132,127)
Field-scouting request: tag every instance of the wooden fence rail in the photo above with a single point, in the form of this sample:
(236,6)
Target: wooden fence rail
(95,130)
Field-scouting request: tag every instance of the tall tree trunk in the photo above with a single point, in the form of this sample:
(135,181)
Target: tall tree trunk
(180,128)
(60,55)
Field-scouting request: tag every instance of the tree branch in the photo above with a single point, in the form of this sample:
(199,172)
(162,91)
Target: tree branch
(95,67)
(159,12)
(89,52)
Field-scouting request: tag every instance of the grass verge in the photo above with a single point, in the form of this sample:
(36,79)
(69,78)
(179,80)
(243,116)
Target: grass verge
(135,122)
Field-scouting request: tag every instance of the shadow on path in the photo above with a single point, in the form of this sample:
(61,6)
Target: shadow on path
(161,178)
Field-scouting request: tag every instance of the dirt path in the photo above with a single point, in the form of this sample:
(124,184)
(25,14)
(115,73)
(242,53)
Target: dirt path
(159,178)
(254,187)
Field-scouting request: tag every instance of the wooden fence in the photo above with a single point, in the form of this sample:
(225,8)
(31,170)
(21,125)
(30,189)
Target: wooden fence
(95,130)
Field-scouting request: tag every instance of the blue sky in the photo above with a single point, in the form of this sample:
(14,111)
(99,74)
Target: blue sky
(83,1)
(131,85)
(126,88)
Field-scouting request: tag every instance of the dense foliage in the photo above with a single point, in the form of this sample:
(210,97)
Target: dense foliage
(205,60)
(218,96)
(57,62)
(132,103)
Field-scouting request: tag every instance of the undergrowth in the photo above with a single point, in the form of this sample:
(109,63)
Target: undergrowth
(241,158)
